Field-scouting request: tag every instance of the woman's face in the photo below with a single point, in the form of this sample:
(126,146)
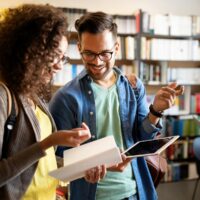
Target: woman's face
(59,61)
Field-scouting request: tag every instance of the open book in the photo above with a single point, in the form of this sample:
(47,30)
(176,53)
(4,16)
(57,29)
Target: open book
(79,159)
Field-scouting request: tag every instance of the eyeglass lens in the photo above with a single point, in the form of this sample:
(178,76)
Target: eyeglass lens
(90,56)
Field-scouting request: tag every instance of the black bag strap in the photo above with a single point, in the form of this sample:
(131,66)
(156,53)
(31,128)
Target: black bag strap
(9,124)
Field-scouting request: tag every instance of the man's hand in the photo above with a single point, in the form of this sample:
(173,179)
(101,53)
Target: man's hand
(166,96)
(95,174)
(121,166)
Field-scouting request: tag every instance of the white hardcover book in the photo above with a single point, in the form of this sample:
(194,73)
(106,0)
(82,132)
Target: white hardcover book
(161,24)
(129,47)
(192,171)
(180,25)
(80,159)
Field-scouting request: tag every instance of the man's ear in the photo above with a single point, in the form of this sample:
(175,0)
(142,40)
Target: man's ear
(117,47)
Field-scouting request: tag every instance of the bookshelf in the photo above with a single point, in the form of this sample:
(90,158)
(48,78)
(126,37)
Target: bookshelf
(126,38)
(169,50)
(159,49)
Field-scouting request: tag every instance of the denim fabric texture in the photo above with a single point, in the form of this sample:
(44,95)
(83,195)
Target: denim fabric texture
(74,104)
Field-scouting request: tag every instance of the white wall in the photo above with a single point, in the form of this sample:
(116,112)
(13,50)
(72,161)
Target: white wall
(180,7)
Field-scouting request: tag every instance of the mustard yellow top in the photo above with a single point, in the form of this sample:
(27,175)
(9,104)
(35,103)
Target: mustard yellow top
(43,186)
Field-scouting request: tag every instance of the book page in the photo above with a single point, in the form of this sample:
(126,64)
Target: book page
(80,159)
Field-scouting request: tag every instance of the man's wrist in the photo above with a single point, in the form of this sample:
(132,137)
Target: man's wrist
(154,112)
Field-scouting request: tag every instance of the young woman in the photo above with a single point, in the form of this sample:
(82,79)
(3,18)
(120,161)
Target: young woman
(33,47)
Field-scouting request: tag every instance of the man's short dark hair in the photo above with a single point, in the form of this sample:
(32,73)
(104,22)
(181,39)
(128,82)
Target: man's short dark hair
(96,22)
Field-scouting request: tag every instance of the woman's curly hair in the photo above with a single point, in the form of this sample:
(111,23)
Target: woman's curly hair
(29,39)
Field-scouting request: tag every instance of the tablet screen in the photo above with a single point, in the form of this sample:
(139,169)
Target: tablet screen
(149,146)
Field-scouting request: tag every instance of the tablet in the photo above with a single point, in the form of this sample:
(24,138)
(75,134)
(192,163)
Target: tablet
(149,147)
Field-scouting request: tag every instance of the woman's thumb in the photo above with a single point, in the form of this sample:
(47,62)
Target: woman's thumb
(84,126)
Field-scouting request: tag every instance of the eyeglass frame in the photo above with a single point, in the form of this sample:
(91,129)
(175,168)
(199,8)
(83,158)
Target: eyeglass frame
(98,54)
(65,59)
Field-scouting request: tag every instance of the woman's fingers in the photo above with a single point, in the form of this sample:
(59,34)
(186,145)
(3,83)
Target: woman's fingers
(71,137)
(84,126)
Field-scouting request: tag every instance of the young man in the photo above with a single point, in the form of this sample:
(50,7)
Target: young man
(102,97)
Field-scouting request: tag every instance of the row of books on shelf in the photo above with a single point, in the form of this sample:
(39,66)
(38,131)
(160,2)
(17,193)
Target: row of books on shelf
(128,69)
(183,75)
(72,15)
(180,171)
(195,103)
(72,51)
(183,127)
(152,73)
(126,23)
(170,49)
(68,72)
(184,104)
(161,73)
(181,150)
(126,49)
(161,24)
(168,24)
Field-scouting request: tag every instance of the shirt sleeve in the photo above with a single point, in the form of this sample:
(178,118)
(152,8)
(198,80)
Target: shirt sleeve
(62,108)
(146,128)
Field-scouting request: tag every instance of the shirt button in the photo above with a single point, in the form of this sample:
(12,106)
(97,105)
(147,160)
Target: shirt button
(89,92)
(91,113)
(93,136)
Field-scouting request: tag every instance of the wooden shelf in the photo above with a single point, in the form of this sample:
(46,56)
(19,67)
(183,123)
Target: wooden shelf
(124,62)
(171,61)
(117,62)
(76,61)
(150,36)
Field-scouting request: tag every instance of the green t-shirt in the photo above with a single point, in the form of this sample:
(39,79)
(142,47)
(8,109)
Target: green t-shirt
(116,185)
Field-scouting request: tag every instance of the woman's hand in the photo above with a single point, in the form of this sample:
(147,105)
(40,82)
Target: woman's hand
(71,138)
(95,174)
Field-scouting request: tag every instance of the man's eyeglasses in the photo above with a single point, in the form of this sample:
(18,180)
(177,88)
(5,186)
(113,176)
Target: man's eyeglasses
(89,56)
